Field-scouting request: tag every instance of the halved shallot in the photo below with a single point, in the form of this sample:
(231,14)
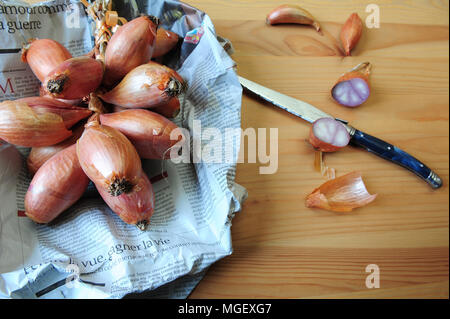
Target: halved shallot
(108,158)
(74,78)
(146,86)
(130,46)
(342,194)
(148,131)
(56,186)
(135,207)
(21,125)
(328,135)
(43,55)
(352,88)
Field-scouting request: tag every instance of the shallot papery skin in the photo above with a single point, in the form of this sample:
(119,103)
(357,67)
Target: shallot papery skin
(353,88)
(165,41)
(351,32)
(21,125)
(135,207)
(43,55)
(56,186)
(146,86)
(39,155)
(130,46)
(69,113)
(288,13)
(342,194)
(328,135)
(74,78)
(148,131)
(108,158)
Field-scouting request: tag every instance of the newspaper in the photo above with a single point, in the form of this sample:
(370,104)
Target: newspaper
(88,252)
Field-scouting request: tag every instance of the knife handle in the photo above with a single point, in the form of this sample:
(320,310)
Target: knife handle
(394,154)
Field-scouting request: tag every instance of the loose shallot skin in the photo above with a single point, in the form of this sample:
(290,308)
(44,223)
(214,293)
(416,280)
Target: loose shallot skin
(148,131)
(43,55)
(146,86)
(135,207)
(74,78)
(130,46)
(108,158)
(342,194)
(56,186)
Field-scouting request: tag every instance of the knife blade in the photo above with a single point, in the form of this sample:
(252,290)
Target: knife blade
(370,143)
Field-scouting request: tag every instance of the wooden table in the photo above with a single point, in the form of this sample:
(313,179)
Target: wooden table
(283,249)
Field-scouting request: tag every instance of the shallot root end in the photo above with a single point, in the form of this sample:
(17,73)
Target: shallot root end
(120,186)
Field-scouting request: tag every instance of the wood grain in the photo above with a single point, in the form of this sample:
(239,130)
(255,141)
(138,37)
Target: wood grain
(281,248)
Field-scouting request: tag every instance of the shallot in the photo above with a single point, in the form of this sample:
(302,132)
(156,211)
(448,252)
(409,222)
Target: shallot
(328,135)
(74,78)
(39,155)
(165,41)
(70,114)
(148,131)
(146,86)
(351,32)
(108,158)
(352,88)
(289,13)
(21,125)
(130,46)
(135,207)
(342,194)
(43,55)
(170,110)
(56,186)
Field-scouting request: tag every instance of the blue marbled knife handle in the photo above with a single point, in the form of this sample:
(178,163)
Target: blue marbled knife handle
(394,154)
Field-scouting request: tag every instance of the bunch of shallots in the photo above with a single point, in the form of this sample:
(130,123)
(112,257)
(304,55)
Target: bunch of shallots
(96,117)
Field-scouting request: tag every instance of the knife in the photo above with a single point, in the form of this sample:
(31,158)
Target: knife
(358,138)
